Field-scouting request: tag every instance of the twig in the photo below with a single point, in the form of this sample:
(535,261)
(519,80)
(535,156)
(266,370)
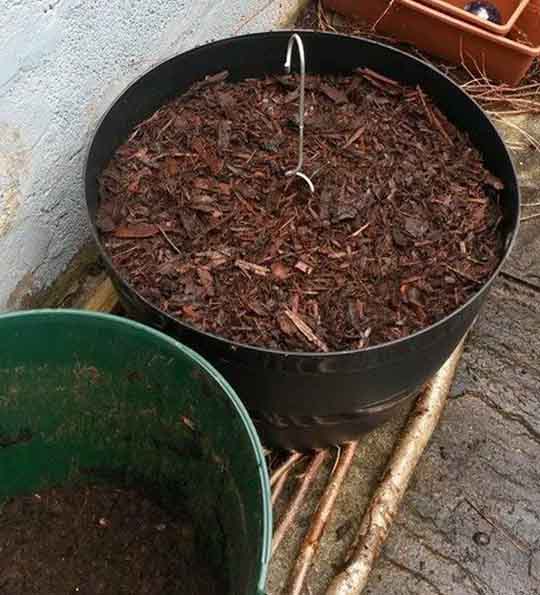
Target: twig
(373,74)
(336,462)
(383,14)
(298,499)
(354,137)
(285,466)
(278,487)
(319,521)
(528,217)
(511,538)
(434,121)
(506,122)
(426,108)
(322,17)
(251,267)
(360,230)
(305,330)
(516,146)
(531,204)
(169,241)
(462,274)
(442,130)
(384,505)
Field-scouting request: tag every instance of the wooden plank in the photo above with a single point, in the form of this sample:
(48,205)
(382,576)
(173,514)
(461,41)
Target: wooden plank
(103,299)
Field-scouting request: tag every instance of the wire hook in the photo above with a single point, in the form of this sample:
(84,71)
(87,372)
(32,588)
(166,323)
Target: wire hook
(298,169)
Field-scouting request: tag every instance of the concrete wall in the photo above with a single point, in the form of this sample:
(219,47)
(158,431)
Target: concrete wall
(61,64)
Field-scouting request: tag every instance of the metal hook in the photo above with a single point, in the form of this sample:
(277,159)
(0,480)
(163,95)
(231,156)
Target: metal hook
(298,169)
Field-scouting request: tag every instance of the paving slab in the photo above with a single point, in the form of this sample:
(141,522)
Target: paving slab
(470,523)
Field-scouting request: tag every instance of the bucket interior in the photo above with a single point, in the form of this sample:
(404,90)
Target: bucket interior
(91,399)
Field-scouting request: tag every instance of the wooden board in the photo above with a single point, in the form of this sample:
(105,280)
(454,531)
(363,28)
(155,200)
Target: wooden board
(103,299)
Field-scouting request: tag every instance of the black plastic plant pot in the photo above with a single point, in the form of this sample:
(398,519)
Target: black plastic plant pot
(305,400)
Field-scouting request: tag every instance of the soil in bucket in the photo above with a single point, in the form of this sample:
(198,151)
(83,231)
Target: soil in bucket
(403,227)
(100,540)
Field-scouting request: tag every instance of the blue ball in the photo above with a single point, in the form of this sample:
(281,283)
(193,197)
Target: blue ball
(485,11)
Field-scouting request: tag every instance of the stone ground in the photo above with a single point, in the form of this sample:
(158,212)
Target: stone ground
(470,522)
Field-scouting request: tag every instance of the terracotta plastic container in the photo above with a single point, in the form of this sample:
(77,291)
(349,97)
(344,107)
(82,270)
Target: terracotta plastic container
(510,11)
(506,59)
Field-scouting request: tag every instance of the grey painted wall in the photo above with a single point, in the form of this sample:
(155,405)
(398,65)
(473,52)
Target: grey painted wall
(61,64)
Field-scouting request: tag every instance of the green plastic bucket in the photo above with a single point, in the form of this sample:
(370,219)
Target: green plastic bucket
(86,396)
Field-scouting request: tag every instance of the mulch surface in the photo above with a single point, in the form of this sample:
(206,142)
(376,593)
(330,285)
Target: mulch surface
(98,540)
(198,215)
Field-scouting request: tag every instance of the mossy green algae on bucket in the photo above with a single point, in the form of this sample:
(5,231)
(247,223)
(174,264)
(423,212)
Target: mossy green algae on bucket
(88,397)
